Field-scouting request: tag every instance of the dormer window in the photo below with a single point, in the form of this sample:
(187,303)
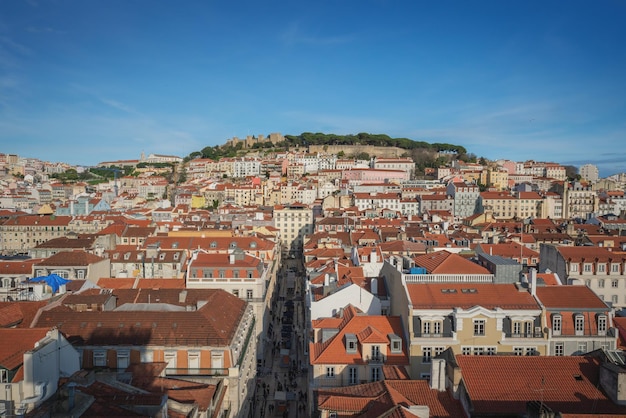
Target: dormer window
(579,324)
(214,244)
(602,321)
(557,323)
(395,344)
(176,255)
(127,256)
(162,256)
(351,343)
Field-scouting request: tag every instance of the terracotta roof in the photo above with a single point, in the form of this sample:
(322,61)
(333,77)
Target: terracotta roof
(503,384)
(70,258)
(444,262)
(589,253)
(569,297)
(116,283)
(22,311)
(14,342)
(468,295)
(385,397)
(366,327)
(213,323)
(18,266)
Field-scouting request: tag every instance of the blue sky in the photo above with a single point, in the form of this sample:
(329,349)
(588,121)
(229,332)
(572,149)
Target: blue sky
(85,81)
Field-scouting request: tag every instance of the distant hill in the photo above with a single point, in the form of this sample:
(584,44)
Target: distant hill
(380,140)
(416,149)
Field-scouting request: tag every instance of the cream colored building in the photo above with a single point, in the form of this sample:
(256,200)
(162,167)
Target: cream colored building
(294,222)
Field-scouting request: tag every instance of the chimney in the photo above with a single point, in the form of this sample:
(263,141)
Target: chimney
(438,374)
(374,256)
(533,281)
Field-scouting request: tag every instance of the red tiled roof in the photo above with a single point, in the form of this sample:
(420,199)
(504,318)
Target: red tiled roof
(377,327)
(14,342)
(503,384)
(385,397)
(451,295)
(213,323)
(70,258)
(444,262)
(569,297)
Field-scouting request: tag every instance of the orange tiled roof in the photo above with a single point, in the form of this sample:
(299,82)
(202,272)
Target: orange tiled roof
(444,262)
(451,295)
(384,397)
(503,384)
(14,342)
(333,351)
(569,297)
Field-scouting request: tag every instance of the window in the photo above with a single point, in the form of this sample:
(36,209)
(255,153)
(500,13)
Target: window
(601,283)
(351,346)
(491,351)
(614,268)
(99,359)
(80,274)
(4,376)
(614,284)
(517,328)
(236,274)
(579,324)
(601,268)
(479,351)
(376,352)
(221,274)
(588,283)
(573,268)
(376,374)
(614,299)
(437,327)
(427,354)
(530,351)
(601,324)
(353,375)
(236,292)
(479,327)
(123,358)
(330,372)
(587,268)
(426,328)
(249,294)
(518,351)
(556,324)
(559,349)
(582,348)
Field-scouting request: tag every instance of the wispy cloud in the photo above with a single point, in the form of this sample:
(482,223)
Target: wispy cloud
(44,30)
(294,35)
(117,105)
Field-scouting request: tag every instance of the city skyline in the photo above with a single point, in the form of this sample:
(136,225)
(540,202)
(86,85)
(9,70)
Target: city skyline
(90,82)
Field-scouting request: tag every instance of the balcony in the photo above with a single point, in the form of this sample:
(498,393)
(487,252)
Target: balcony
(196,372)
(537,334)
(432,335)
(375,359)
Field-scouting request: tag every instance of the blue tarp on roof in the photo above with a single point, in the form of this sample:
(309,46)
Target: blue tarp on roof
(54,281)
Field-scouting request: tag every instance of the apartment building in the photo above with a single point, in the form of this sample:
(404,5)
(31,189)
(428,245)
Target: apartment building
(294,221)
(355,348)
(20,233)
(598,268)
(472,319)
(465,196)
(578,321)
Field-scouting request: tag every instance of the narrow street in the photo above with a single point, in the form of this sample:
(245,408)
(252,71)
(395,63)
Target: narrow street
(281,389)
